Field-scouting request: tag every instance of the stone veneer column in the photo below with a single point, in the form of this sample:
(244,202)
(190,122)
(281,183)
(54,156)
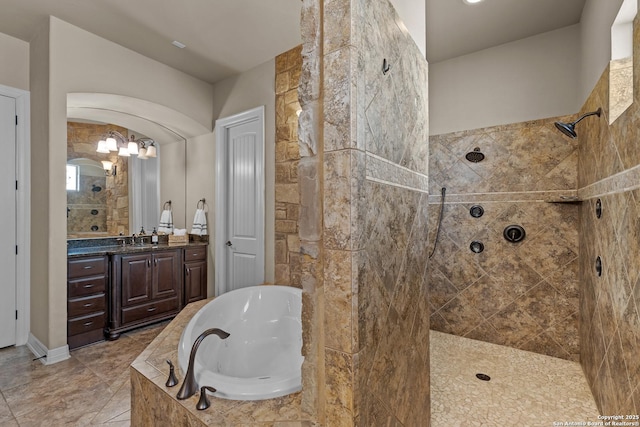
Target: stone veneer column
(287,192)
(310,221)
(363,180)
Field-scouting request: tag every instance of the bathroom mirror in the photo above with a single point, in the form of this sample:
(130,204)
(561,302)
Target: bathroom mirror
(122,197)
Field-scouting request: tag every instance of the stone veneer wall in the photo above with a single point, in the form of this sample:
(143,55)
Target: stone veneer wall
(524,295)
(364,198)
(609,170)
(287,192)
(82,141)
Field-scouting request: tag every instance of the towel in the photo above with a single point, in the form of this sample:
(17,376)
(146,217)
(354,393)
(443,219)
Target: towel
(179,231)
(166,222)
(199,223)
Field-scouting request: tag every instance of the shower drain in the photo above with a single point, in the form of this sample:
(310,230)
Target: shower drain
(483,377)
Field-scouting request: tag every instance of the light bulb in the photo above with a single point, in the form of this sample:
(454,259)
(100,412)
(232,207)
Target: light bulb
(151,151)
(124,152)
(102,147)
(142,153)
(112,144)
(106,165)
(133,148)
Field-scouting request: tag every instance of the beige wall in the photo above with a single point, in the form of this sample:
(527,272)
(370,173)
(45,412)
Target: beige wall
(14,68)
(70,59)
(41,245)
(172,181)
(529,79)
(595,42)
(200,181)
(240,93)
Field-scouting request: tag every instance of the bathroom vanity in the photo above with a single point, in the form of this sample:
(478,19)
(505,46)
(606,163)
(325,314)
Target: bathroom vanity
(113,289)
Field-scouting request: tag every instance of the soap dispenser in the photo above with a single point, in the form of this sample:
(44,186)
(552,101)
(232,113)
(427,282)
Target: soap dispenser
(154,237)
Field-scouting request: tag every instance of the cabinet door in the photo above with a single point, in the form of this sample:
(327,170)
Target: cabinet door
(167,280)
(195,281)
(136,279)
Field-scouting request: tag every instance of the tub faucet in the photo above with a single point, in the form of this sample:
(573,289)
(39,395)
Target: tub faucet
(190,386)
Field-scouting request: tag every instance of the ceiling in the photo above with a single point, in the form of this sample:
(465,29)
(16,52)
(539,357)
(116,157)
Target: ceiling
(455,28)
(226,37)
(223,37)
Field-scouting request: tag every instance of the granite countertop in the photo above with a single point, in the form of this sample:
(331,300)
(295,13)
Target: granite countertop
(128,249)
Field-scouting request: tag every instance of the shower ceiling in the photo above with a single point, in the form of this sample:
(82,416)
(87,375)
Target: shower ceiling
(227,37)
(455,28)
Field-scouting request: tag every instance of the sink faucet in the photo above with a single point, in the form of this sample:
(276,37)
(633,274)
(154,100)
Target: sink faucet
(190,386)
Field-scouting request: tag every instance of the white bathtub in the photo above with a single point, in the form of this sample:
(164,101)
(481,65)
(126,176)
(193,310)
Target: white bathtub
(261,359)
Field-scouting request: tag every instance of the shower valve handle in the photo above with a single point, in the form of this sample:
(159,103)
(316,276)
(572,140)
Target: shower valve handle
(228,243)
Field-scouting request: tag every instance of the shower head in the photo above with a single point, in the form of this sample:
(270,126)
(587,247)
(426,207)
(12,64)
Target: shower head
(569,128)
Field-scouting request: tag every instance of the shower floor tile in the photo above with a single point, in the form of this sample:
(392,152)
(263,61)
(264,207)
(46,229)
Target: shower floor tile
(525,389)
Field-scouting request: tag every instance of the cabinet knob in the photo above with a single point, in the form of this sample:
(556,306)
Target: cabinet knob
(88,267)
(88,286)
(188,271)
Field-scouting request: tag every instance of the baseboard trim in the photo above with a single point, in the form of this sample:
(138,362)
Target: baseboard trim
(46,356)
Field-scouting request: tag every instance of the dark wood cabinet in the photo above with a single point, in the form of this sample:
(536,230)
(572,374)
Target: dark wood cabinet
(111,294)
(195,274)
(87,281)
(147,287)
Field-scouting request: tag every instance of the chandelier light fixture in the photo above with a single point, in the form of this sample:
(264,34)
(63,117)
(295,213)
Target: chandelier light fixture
(144,148)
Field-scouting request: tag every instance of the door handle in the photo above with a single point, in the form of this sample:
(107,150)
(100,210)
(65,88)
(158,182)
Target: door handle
(228,243)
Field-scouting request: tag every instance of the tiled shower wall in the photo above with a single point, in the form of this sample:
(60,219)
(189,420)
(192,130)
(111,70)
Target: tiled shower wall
(364,260)
(525,294)
(609,171)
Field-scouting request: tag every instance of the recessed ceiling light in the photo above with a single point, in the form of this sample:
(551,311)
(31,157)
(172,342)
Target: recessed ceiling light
(472,1)
(176,43)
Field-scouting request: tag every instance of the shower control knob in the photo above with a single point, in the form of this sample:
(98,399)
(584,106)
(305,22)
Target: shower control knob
(228,243)
(476,211)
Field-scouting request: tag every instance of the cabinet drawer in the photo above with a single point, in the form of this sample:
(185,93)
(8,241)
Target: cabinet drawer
(196,253)
(83,267)
(86,286)
(150,310)
(84,324)
(86,305)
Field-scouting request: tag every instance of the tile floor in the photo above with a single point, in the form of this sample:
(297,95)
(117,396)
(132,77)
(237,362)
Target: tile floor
(91,388)
(526,389)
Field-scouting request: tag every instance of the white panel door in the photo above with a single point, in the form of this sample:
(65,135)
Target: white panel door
(244,213)
(240,190)
(8,221)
